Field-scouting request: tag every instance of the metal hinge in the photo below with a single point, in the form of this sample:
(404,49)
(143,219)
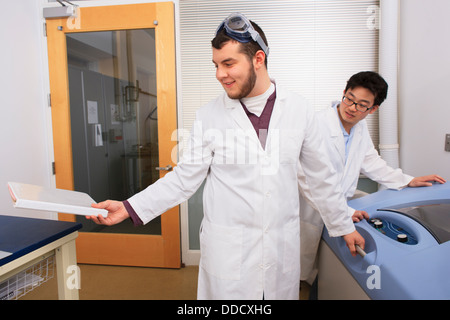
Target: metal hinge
(53,168)
(49,97)
(45,29)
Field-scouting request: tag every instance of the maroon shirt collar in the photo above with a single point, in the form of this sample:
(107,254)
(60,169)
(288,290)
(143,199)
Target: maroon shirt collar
(261,123)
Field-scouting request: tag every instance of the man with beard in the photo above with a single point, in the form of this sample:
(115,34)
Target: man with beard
(248,144)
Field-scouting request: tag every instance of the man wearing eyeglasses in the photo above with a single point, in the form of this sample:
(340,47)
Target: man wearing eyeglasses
(248,144)
(352,152)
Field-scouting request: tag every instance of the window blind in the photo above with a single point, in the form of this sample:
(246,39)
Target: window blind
(315,46)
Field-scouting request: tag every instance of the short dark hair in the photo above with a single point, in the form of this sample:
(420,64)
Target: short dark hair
(249,48)
(373,82)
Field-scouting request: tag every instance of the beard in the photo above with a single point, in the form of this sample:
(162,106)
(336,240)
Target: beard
(247,86)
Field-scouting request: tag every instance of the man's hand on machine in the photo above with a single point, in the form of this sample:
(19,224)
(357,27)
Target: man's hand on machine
(359,216)
(352,240)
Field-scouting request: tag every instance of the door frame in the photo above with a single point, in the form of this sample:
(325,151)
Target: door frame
(160,251)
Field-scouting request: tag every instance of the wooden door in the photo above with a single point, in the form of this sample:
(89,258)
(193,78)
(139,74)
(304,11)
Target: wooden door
(108,123)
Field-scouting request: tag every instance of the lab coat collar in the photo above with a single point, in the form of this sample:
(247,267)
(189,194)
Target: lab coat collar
(241,118)
(335,131)
(235,103)
(337,136)
(335,127)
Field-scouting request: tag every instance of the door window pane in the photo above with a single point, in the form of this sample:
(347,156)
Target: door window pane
(114,123)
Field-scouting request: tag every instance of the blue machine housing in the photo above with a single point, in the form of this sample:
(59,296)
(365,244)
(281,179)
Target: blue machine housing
(418,269)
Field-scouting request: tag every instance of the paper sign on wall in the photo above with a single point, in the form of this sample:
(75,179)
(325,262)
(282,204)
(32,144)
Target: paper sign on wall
(92,112)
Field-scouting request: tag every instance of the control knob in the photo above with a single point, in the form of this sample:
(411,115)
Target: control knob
(402,238)
(378,224)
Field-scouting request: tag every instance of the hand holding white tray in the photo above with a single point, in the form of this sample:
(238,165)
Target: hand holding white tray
(34,197)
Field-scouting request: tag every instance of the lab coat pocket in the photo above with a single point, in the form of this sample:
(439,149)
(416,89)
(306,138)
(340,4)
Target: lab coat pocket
(221,251)
(290,147)
(291,254)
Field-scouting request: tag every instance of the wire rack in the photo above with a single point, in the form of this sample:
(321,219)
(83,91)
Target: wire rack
(27,280)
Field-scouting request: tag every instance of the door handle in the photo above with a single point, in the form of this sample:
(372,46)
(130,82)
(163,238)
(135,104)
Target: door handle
(167,168)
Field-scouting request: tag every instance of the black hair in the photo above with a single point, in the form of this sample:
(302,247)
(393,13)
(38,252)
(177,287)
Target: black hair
(249,48)
(373,82)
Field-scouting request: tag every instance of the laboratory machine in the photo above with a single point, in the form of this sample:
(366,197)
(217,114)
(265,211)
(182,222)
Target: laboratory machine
(406,254)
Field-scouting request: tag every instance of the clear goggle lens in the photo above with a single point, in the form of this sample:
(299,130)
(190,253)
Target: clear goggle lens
(239,28)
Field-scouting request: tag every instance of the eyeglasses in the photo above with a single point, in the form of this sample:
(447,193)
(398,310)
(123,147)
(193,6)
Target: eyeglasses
(239,28)
(360,107)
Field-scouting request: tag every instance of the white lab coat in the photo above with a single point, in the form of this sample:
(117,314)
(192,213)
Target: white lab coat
(250,231)
(362,158)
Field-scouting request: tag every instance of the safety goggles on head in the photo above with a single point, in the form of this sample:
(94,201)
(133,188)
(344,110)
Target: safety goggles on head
(239,28)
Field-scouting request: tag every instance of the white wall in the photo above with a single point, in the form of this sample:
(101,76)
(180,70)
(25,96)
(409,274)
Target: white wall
(26,150)
(424,86)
